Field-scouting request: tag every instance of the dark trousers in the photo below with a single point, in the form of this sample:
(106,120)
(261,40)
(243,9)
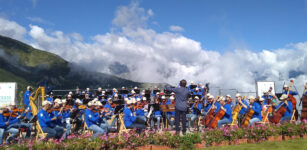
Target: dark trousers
(181,114)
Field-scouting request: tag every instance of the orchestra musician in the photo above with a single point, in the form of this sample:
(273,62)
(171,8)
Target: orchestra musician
(256,106)
(93,121)
(69,100)
(47,124)
(195,115)
(4,123)
(26,99)
(50,97)
(227,118)
(66,120)
(244,107)
(291,92)
(19,116)
(140,109)
(156,115)
(130,120)
(289,109)
(266,98)
(171,114)
(87,99)
(88,92)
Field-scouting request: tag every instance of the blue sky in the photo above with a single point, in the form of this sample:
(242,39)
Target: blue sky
(220,25)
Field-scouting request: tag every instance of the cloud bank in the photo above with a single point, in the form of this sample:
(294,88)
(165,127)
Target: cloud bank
(139,53)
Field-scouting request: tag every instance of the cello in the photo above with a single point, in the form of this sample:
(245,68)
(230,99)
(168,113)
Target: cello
(220,114)
(210,114)
(248,115)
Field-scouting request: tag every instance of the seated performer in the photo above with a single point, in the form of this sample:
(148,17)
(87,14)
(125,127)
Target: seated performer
(244,107)
(227,118)
(93,121)
(140,109)
(47,123)
(4,123)
(130,120)
(257,108)
(110,113)
(66,120)
(156,115)
(19,124)
(171,114)
(289,109)
(195,114)
(266,98)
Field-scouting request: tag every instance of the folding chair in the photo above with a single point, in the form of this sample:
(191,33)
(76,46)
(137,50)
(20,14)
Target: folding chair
(39,131)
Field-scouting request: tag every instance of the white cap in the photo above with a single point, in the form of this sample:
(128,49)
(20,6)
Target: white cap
(114,89)
(64,101)
(103,92)
(251,97)
(98,103)
(132,92)
(90,103)
(228,95)
(208,94)
(211,96)
(196,88)
(283,97)
(109,98)
(172,93)
(163,97)
(285,86)
(220,98)
(136,87)
(70,93)
(261,99)
(95,100)
(192,82)
(144,98)
(196,97)
(57,100)
(45,103)
(87,89)
(238,95)
(143,93)
(78,101)
(123,87)
(138,99)
(172,98)
(158,93)
(115,95)
(126,99)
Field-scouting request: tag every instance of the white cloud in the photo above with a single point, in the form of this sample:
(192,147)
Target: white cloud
(12,29)
(169,57)
(175,28)
(39,20)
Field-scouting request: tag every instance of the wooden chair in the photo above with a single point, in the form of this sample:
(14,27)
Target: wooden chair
(265,120)
(122,127)
(293,119)
(39,131)
(85,127)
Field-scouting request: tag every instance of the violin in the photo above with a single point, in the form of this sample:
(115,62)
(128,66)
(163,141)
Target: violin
(113,105)
(8,114)
(20,110)
(82,107)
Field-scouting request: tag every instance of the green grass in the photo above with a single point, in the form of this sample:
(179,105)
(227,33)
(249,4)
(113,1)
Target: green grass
(297,144)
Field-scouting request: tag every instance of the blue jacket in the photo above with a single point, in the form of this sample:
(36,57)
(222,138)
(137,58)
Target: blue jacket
(26,98)
(199,106)
(289,110)
(181,97)
(218,107)
(228,113)
(305,93)
(91,118)
(14,119)
(140,112)
(257,110)
(208,107)
(243,110)
(44,119)
(291,92)
(5,119)
(128,117)
(266,99)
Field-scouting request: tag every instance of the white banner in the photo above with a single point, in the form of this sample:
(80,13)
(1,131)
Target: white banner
(7,93)
(264,86)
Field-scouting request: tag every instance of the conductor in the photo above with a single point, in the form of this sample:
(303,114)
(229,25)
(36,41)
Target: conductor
(181,97)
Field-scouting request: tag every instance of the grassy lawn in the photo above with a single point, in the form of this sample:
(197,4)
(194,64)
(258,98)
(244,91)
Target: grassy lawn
(298,144)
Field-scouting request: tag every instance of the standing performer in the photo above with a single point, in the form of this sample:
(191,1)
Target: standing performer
(181,97)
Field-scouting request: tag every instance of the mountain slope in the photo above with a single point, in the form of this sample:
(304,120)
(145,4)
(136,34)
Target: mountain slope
(26,65)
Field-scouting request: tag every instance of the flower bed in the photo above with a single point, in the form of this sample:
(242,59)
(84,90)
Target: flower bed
(167,140)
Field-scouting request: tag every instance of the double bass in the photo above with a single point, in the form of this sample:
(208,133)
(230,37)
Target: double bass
(304,107)
(279,112)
